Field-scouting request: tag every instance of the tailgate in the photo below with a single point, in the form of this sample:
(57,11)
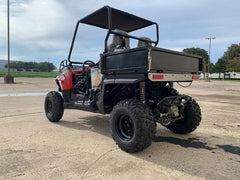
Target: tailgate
(173,62)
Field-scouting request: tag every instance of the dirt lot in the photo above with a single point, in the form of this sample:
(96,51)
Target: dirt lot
(80,145)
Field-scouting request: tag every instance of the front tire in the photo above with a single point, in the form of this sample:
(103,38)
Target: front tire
(54,106)
(132,125)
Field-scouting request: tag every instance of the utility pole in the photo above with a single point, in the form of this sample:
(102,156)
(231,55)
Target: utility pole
(8,78)
(209,53)
(48,64)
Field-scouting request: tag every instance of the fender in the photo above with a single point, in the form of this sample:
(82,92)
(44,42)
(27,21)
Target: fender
(65,80)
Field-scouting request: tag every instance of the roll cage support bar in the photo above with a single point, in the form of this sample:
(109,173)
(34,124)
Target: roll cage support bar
(110,31)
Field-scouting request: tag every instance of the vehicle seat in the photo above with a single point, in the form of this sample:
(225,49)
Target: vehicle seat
(144,43)
(119,42)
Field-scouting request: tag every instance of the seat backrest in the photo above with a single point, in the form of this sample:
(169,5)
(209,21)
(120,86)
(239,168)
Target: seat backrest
(144,43)
(119,42)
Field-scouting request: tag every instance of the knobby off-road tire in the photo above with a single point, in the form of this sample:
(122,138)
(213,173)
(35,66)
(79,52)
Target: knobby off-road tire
(132,125)
(192,118)
(54,106)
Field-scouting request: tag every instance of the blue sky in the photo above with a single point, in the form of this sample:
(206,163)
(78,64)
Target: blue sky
(42,30)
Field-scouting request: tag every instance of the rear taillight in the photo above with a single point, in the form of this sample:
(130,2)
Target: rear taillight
(157,76)
(195,77)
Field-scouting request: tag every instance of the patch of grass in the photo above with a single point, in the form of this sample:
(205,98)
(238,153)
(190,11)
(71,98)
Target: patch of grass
(18,82)
(3,73)
(29,74)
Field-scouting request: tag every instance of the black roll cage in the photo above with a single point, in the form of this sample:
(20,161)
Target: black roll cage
(111,19)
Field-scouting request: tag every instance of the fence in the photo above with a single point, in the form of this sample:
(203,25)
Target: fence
(227,75)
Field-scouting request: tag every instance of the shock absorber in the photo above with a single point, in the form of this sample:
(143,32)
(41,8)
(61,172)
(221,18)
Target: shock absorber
(143,92)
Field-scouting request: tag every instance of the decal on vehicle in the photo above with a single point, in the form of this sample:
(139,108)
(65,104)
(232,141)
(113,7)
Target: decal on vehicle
(62,78)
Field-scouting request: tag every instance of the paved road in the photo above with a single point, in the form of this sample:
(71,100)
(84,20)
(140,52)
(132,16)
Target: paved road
(80,145)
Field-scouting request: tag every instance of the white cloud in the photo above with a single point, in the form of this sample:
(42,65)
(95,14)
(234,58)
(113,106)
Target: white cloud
(41,19)
(44,28)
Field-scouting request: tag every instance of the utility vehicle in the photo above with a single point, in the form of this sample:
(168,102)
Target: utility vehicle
(132,84)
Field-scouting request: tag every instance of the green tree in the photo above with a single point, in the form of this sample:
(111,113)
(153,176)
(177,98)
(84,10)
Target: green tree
(234,65)
(20,65)
(221,65)
(232,52)
(13,65)
(46,66)
(212,68)
(28,66)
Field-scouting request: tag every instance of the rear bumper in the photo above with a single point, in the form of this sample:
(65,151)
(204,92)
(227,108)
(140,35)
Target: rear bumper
(173,77)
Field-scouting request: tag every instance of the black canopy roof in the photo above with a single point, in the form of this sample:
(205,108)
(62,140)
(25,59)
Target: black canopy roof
(110,18)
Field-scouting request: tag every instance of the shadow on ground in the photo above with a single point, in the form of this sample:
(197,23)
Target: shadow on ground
(186,143)
(100,124)
(158,152)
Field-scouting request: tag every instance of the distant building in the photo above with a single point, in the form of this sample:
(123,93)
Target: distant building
(2,64)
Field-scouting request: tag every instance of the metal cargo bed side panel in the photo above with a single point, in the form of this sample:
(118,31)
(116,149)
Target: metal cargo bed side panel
(167,61)
(132,60)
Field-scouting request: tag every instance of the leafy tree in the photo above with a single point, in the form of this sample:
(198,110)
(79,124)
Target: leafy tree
(15,65)
(212,68)
(232,52)
(221,65)
(28,66)
(46,67)
(234,65)
(12,65)
(224,63)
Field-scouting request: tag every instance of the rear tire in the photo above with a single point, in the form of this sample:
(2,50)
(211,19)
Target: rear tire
(132,125)
(192,119)
(54,106)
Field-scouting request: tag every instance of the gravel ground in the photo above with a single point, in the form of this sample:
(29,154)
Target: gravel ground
(80,145)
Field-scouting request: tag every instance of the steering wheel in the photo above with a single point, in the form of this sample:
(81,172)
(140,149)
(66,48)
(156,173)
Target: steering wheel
(87,62)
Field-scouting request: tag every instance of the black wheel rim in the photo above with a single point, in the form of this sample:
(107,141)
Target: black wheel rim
(125,127)
(49,107)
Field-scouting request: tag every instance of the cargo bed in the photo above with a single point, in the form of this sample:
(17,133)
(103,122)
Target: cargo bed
(151,60)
